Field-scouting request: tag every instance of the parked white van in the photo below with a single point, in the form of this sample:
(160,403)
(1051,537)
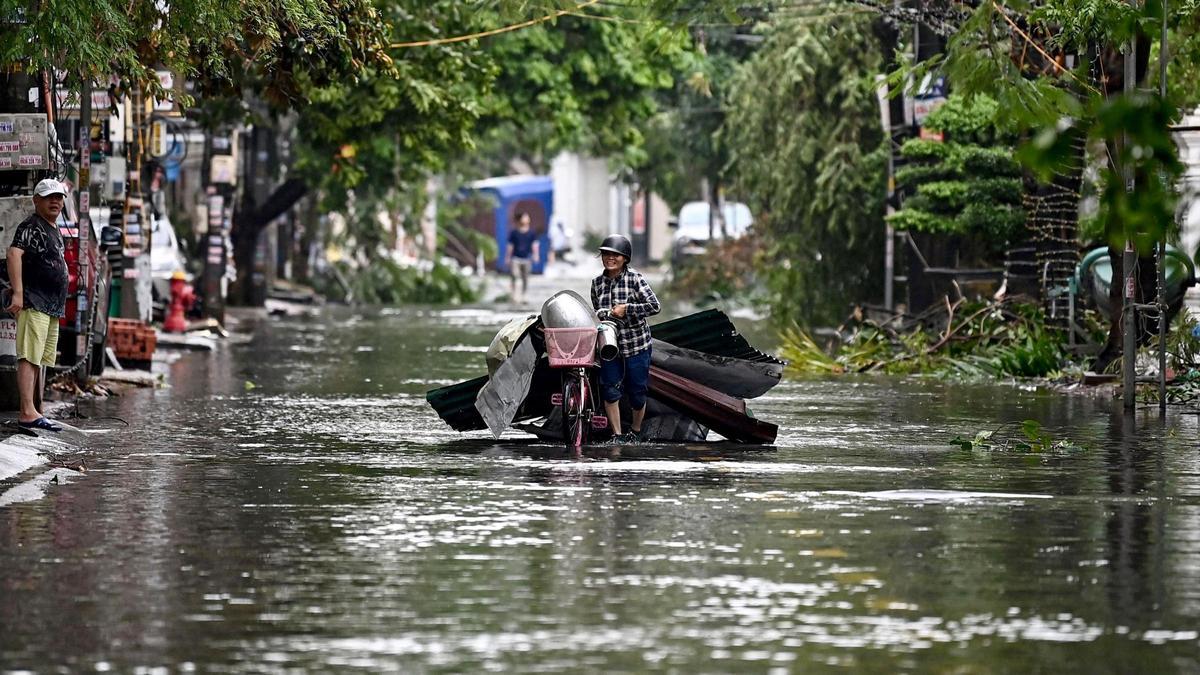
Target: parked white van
(691,234)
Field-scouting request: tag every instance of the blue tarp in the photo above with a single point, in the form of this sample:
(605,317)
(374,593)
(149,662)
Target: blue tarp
(532,194)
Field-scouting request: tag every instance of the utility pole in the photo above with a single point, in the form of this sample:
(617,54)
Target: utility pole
(889,244)
(1129,257)
(1161,300)
(83,311)
(135,289)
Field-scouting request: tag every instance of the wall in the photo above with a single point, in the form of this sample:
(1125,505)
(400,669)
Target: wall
(1188,213)
(661,236)
(581,195)
(587,199)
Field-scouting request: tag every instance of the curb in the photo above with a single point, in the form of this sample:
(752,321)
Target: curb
(20,452)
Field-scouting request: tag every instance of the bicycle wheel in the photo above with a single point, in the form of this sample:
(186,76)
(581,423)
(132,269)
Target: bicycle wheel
(576,420)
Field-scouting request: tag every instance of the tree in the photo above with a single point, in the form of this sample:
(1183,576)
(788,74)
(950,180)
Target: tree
(269,50)
(215,43)
(967,185)
(1020,55)
(807,151)
(965,192)
(578,83)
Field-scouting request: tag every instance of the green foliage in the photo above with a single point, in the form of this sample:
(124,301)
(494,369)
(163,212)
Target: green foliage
(869,347)
(917,219)
(390,128)
(684,141)
(962,187)
(1082,23)
(919,149)
(1183,342)
(979,61)
(970,121)
(1184,54)
(980,341)
(1065,110)
(1017,52)
(994,222)
(804,356)
(726,270)
(388,283)
(1028,437)
(276,45)
(1135,128)
(808,155)
(470,108)
(584,85)
(1033,352)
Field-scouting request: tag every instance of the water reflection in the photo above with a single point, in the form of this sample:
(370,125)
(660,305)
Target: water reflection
(321,518)
(1136,526)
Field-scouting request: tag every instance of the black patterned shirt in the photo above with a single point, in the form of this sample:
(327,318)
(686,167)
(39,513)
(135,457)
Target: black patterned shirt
(43,267)
(631,289)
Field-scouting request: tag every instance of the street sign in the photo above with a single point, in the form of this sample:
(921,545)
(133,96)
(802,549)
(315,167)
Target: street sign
(159,138)
(223,170)
(68,101)
(929,97)
(931,135)
(167,105)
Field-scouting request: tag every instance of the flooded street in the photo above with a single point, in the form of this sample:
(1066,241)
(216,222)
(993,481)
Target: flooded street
(294,504)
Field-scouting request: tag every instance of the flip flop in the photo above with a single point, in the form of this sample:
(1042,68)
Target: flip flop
(40,423)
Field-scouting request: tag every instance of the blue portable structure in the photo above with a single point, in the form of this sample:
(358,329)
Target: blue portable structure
(531,194)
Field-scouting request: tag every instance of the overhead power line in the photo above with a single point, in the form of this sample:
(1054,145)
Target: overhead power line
(494,31)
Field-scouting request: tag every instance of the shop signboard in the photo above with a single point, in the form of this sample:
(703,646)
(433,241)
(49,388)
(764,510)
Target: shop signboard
(8,334)
(930,96)
(24,143)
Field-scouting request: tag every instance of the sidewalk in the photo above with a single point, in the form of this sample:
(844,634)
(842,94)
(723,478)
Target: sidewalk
(558,277)
(21,451)
(59,454)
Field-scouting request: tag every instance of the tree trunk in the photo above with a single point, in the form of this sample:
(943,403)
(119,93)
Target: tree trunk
(1147,283)
(1112,62)
(309,224)
(248,224)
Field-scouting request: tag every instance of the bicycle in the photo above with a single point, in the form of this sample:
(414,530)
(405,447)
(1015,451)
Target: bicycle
(574,343)
(573,351)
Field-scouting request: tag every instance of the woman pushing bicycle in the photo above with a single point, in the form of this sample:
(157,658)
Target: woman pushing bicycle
(621,295)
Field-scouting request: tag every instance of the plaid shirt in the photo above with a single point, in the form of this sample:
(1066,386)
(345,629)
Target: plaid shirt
(630,289)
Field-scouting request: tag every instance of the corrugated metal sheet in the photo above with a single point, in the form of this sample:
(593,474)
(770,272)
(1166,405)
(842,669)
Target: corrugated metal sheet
(709,331)
(456,404)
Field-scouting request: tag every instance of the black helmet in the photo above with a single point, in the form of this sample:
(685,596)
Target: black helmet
(617,243)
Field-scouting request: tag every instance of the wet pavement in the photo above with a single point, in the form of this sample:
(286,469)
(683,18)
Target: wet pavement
(293,504)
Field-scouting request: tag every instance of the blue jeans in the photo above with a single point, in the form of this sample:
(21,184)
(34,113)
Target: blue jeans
(626,374)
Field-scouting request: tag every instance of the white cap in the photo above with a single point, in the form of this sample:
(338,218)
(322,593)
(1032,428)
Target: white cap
(49,186)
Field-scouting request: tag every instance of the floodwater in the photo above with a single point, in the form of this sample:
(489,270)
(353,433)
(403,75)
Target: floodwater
(293,504)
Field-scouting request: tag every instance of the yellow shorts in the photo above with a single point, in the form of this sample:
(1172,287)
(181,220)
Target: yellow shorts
(37,337)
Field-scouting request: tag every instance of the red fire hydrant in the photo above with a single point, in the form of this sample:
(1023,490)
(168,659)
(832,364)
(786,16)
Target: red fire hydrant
(182,297)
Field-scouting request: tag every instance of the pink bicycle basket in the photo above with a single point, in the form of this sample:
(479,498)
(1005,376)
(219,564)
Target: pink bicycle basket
(571,347)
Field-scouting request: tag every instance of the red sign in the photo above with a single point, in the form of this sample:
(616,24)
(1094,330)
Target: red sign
(931,135)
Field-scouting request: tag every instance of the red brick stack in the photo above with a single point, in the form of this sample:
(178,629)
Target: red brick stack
(132,341)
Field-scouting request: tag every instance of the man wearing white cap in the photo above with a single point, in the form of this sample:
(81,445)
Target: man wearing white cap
(37,271)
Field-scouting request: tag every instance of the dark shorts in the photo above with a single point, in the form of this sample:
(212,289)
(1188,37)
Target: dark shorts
(628,375)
